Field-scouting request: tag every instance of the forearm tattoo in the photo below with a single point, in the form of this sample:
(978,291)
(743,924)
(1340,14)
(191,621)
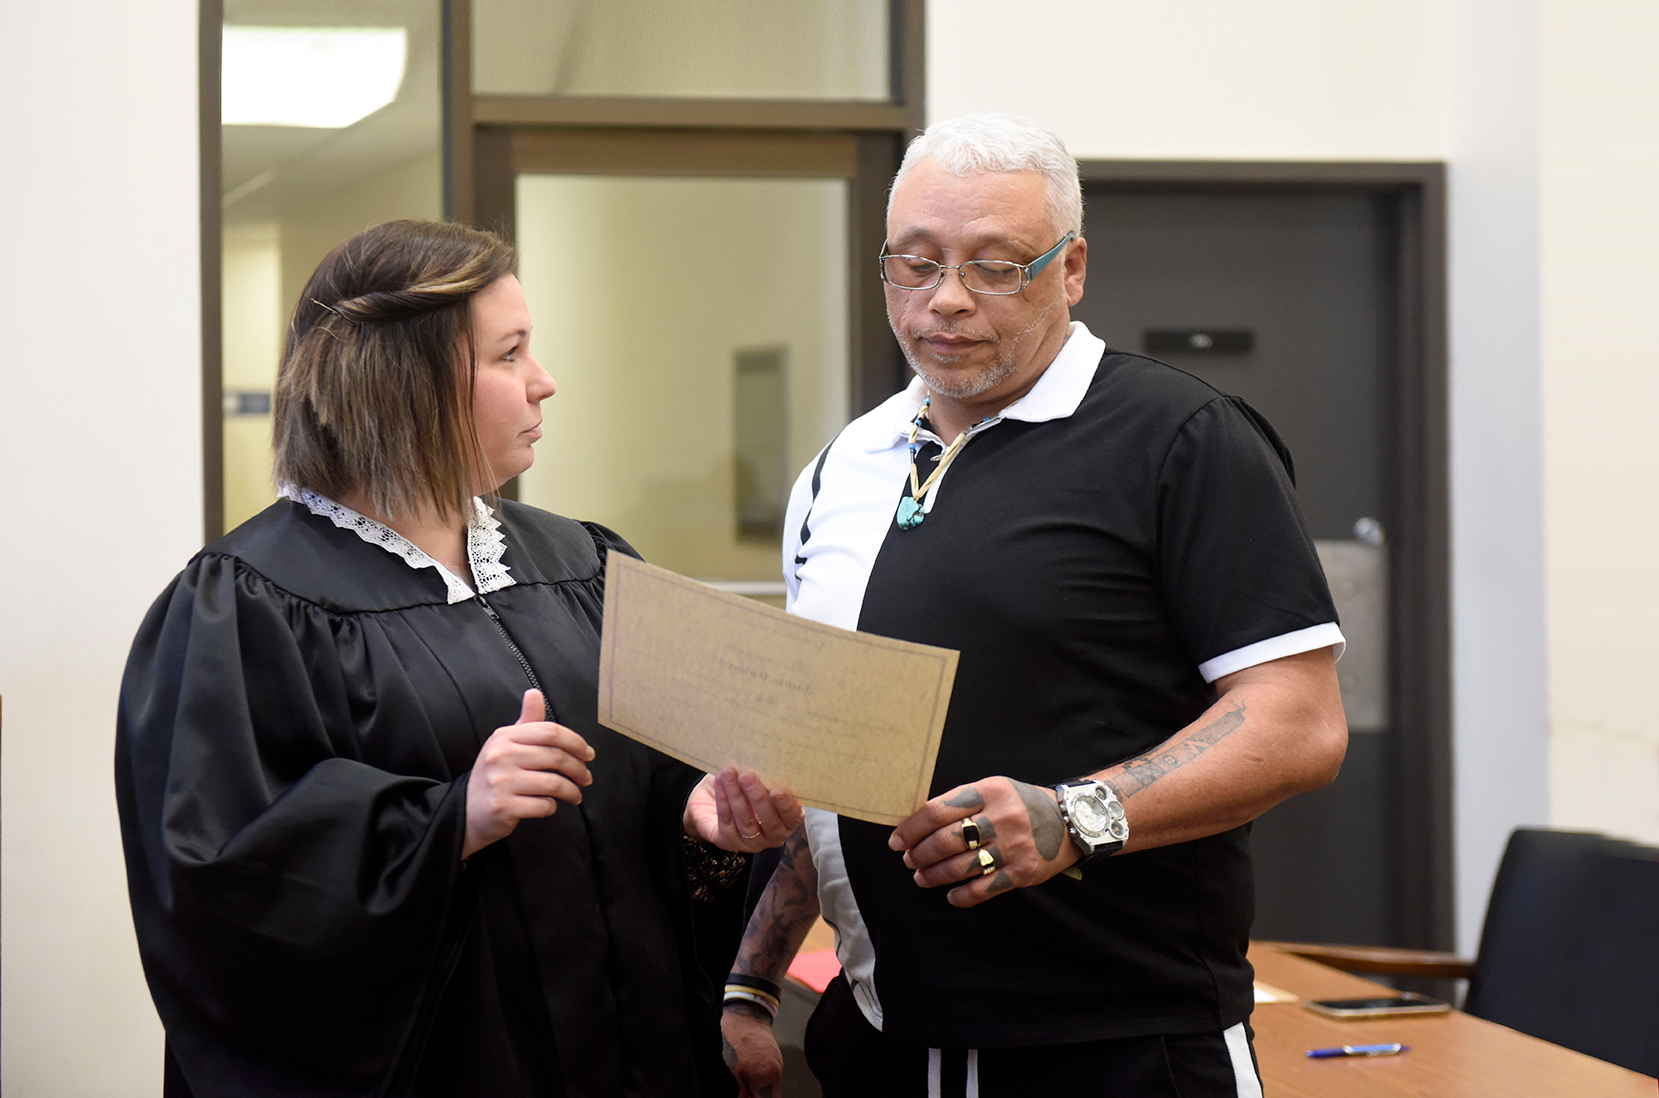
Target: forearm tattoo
(1138,773)
(786,910)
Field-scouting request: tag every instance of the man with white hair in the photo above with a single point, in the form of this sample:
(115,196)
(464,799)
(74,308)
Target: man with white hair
(1147,664)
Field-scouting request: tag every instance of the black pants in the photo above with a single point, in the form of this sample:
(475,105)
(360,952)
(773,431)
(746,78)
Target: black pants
(853,1059)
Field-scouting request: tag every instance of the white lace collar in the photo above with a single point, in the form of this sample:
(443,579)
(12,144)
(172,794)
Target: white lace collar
(485,544)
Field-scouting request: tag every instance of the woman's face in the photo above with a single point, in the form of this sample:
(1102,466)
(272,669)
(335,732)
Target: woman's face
(509,384)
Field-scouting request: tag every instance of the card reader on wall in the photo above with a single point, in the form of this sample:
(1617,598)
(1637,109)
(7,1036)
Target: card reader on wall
(1198,341)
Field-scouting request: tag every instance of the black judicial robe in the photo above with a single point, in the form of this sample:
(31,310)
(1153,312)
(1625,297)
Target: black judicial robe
(297,722)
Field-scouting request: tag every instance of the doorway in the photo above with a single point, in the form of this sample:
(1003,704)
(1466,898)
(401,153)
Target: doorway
(697,298)
(1315,292)
(698,330)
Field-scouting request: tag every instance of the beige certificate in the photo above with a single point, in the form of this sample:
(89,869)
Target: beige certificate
(848,721)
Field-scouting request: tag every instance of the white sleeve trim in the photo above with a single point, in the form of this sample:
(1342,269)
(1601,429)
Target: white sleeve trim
(1273,648)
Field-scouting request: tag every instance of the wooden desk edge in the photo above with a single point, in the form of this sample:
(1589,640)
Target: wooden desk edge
(1453,1054)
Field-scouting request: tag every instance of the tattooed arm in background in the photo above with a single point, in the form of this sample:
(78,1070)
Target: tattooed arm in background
(787,909)
(1276,730)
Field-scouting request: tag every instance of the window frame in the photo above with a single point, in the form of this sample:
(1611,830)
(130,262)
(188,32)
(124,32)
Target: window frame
(486,138)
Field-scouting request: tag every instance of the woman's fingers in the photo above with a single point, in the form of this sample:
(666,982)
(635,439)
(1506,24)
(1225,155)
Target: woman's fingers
(522,772)
(762,816)
(724,811)
(541,785)
(734,810)
(541,745)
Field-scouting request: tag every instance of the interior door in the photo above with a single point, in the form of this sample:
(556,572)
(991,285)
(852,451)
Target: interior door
(1288,299)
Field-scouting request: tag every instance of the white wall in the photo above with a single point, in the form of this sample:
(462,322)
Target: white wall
(100,475)
(1201,79)
(1599,198)
(1500,747)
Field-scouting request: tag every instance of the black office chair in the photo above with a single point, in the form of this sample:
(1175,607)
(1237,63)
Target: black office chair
(1569,953)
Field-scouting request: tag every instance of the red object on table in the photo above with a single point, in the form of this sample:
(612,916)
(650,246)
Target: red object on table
(815,969)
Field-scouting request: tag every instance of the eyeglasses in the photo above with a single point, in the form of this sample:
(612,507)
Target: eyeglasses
(982,276)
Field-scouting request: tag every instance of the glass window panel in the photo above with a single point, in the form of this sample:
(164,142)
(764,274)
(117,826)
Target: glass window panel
(697,329)
(801,49)
(292,191)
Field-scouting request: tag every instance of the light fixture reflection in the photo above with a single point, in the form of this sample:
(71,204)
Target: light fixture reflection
(317,77)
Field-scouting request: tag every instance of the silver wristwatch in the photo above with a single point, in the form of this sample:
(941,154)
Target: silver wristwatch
(1094,817)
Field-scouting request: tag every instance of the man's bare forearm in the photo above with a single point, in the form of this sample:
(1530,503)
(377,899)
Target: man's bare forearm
(787,909)
(1143,770)
(1276,730)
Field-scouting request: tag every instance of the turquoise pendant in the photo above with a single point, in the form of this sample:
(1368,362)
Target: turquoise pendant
(910,514)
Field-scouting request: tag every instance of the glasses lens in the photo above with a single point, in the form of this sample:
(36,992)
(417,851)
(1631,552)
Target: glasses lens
(910,271)
(992,276)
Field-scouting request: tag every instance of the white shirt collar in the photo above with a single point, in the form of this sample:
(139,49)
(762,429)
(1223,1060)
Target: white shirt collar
(1056,394)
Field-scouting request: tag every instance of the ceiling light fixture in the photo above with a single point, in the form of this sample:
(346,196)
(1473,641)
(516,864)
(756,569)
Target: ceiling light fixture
(316,77)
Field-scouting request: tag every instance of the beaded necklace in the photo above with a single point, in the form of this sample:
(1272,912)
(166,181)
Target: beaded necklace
(910,513)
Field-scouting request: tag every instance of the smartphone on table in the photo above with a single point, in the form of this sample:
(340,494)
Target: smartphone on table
(1379,1007)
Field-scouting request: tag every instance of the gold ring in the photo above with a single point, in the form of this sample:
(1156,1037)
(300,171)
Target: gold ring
(756,835)
(987,863)
(970,834)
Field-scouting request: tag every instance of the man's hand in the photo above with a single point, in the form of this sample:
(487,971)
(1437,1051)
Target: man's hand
(751,1051)
(522,772)
(1022,840)
(734,810)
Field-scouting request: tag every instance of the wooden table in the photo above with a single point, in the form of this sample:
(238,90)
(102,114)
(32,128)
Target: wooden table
(1454,1055)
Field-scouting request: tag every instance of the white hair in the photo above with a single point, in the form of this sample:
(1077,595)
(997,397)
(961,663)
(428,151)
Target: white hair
(977,143)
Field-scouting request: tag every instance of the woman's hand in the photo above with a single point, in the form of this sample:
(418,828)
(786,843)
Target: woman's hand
(523,771)
(735,811)
(751,1051)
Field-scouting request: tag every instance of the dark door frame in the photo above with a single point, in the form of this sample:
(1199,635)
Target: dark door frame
(1413,198)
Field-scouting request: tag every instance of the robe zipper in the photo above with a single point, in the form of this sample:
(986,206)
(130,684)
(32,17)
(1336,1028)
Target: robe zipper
(506,636)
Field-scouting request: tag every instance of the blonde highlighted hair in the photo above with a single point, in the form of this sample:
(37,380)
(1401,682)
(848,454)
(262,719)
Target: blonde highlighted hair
(374,393)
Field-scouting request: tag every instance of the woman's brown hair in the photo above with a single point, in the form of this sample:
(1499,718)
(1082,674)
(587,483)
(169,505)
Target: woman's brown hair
(374,393)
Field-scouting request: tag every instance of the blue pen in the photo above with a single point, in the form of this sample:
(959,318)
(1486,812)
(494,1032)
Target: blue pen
(1357,1050)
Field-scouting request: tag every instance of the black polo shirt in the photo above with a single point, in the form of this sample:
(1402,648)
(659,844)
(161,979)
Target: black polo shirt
(1099,553)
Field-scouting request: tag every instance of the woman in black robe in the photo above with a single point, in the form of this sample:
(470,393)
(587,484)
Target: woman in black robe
(336,781)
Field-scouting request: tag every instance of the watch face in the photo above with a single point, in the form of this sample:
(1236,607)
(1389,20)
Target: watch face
(1089,814)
